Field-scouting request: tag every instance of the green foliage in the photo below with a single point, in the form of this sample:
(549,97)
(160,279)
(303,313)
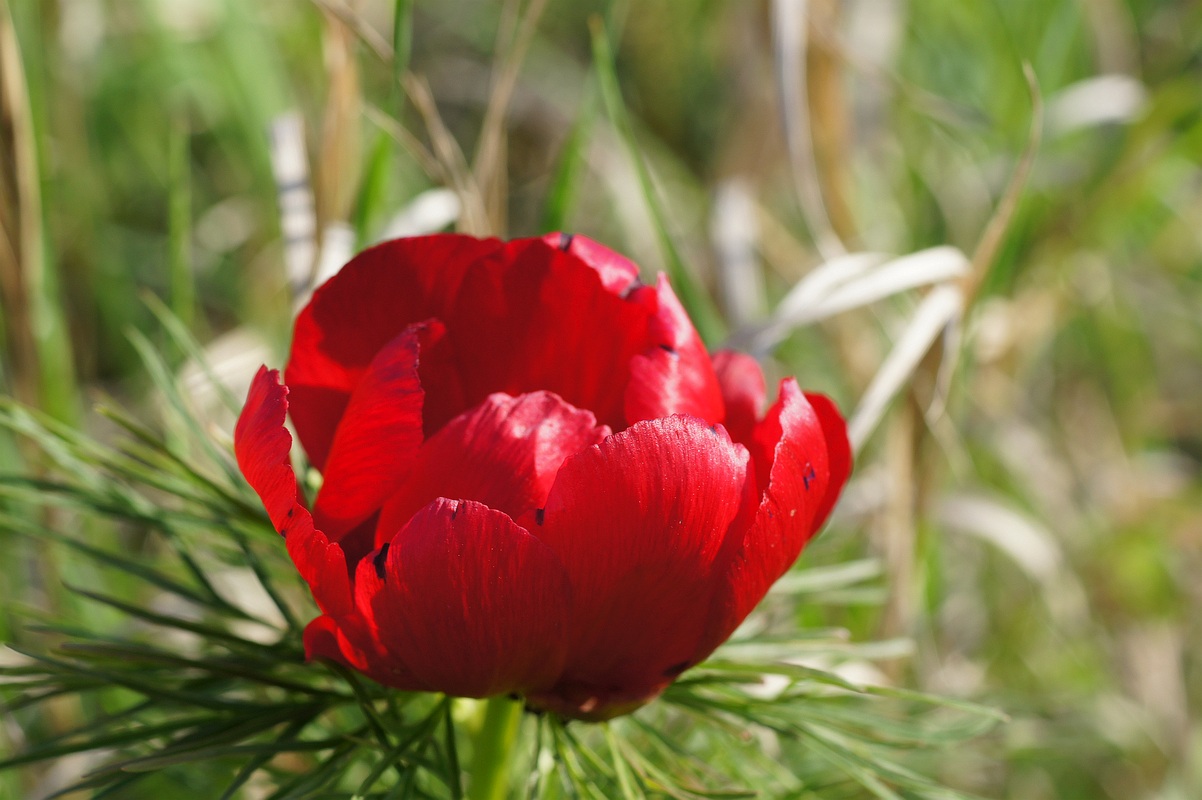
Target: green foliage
(196,685)
(1075,405)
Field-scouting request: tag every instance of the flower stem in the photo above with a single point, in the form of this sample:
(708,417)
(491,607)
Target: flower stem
(493,745)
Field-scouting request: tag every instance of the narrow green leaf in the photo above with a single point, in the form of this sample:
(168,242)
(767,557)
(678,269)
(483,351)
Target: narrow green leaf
(188,344)
(626,780)
(165,382)
(402,41)
(696,301)
(179,226)
(254,764)
(454,773)
(208,632)
(120,562)
(557,206)
(373,188)
(327,771)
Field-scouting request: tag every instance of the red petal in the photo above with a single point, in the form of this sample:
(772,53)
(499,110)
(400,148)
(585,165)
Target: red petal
(617,272)
(521,316)
(472,603)
(800,489)
(838,449)
(742,382)
(674,374)
(375,297)
(377,440)
(504,453)
(349,640)
(638,522)
(261,445)
(545,321)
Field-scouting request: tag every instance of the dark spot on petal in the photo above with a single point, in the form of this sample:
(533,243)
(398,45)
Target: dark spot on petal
(669,349)
(629,290)
(291,511)
(565,241)
(455,506)
(676,669)
(809,475)
(540,514)
(379,559)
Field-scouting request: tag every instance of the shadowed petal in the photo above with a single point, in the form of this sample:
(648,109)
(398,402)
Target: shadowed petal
(261,445)
(351,641)
(638,522)
(798,493)
(469,601)
(504,453)
(838,451)
(377,440)
(380,293)
(742,383)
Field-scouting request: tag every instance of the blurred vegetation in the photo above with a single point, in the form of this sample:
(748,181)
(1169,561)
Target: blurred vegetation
(1037,515)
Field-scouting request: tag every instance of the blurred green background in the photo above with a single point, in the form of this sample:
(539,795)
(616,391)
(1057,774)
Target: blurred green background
(1037,511)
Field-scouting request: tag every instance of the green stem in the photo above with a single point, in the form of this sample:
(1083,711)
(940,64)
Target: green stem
(493,746)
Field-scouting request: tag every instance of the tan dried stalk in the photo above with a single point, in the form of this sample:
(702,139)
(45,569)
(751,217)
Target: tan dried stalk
(21,257)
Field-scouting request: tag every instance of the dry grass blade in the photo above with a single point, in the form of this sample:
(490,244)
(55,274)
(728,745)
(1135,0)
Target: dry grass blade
(999,223)
(339,159)
(489,167)
(452,165)
(1028,542)
(789,27)
(938,309)
(1030,545)
(20,219)
(411,144)
(474,219)
(369,35)
(852,281)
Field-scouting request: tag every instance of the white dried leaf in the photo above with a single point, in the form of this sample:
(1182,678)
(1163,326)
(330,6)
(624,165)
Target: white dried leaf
(938,309)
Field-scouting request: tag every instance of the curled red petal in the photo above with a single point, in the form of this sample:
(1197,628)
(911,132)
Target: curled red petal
(377,439)
(371,300)
(350,641)
(262,445)
(743,390)
(470,602)
(838,448)
(673,375)
(638,522)
(800,489)
(618,273)
(504,453)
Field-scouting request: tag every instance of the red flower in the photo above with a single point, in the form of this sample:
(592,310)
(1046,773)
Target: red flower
(536,480)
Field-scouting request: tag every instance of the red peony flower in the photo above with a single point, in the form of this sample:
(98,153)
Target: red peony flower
(535,479)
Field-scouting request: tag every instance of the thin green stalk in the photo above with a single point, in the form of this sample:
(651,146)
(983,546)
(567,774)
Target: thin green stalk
(179,231)
(492,755)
